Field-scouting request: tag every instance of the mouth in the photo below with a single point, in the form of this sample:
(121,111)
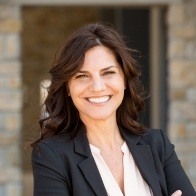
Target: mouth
(97,100)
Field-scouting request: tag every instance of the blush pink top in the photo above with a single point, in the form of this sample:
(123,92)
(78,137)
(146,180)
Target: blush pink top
(134,184)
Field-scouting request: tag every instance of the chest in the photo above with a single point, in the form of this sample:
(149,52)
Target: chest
(114,162)
(120,173)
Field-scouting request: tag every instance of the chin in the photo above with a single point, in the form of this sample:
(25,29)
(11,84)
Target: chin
(100,116)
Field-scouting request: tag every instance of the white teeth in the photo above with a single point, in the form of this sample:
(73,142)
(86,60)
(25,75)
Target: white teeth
(99,99)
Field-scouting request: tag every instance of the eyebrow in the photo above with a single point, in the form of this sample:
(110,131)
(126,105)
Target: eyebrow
(104,69)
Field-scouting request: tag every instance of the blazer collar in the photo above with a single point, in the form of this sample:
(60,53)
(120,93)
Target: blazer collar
(140,152)
(88,165)
(144,160)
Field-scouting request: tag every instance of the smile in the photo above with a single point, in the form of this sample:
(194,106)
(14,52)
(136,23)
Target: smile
(103,99)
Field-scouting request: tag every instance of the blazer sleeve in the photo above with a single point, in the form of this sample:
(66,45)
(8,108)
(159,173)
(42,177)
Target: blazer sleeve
(176,178)
(49,179)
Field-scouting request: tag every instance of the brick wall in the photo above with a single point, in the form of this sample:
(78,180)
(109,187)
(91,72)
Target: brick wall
(10,101)
(182,82)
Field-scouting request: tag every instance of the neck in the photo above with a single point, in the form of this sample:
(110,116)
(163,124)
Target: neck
(104,134)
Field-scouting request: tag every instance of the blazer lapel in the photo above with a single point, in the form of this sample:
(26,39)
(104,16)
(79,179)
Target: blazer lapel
(88,165)
(144,161)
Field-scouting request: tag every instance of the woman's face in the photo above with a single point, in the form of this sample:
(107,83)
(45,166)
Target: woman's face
(97,90)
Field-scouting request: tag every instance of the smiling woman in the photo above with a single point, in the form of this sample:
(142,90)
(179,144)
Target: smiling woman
(91,141)
(70,63)
(98,86)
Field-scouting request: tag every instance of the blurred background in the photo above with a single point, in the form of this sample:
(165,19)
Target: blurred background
(164,31)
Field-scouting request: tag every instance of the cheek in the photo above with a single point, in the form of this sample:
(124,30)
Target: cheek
(75,91)
(120,83)
(71,88)
(122,79)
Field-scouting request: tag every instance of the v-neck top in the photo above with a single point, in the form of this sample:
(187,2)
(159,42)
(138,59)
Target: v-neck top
(134,184)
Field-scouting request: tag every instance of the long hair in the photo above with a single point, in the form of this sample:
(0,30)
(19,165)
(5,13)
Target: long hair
(62,116)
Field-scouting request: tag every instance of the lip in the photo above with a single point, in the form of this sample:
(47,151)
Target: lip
(99,99)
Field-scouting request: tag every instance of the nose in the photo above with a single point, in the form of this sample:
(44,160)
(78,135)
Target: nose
(97,84)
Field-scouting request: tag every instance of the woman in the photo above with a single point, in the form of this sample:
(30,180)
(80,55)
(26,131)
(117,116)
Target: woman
(91,142)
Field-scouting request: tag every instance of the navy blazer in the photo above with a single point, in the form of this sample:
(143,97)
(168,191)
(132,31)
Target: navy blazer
(65,167)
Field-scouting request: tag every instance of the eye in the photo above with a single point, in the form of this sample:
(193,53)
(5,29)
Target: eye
(81,76)
(109,72)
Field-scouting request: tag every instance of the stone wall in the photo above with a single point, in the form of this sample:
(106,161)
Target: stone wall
(44,28)
(10,101)
(181,21)
(182,82)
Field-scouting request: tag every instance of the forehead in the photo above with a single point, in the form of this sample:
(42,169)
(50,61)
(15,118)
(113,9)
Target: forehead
(99,57)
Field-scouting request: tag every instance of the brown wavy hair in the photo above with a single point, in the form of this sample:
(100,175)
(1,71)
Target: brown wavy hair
(62,116)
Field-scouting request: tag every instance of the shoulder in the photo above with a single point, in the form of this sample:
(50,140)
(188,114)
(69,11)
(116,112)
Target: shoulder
(54,153)
(53,147)
(157,138)
(159,144)
(57,140)
(154,135)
